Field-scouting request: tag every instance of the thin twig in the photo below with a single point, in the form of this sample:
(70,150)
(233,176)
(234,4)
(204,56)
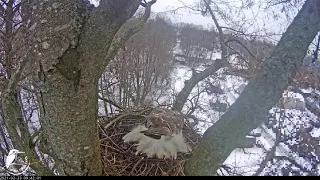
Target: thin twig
(135,166)
(110,102)
(115,120)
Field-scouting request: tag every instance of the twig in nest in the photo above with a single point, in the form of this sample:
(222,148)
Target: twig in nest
(152,165)
(108,137)
(161,170)
(102,130)
(135,166)
(130,148)
(181,164)
(189,139)
(156,169)
(113,148)
(115,144)
(124,115)
(143,111)
(145,168)
(124,169)
(115,120)
(181,170)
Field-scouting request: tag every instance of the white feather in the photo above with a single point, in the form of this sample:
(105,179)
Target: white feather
(165,147)
(134,134)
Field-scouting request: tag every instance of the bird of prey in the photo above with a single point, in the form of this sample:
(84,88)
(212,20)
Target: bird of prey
(160,135)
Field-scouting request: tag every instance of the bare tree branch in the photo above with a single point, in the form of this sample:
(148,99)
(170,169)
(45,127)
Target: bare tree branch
(127,30)
(193,81)
(110,102)
(239,42)
(197,77)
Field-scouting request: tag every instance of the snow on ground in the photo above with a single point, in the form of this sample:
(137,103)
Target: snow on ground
(247,161)
(180,75)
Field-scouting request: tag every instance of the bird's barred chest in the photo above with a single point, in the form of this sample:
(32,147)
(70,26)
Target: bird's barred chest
(164,121)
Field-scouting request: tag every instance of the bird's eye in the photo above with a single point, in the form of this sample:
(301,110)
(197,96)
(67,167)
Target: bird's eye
(148,124)
(150,121)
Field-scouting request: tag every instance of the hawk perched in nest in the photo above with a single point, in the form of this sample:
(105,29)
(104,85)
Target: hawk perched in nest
(160,135)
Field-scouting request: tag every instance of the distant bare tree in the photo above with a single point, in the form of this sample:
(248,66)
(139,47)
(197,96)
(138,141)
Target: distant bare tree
(247,57)
(141,70)
(240,55)
(197,45)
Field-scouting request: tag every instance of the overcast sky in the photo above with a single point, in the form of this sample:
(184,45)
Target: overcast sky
(163,6)
(182,15)
(256,17)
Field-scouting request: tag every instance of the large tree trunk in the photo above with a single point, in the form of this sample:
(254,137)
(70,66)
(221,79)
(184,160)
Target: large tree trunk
(70,126)
(263,91)
(70,62)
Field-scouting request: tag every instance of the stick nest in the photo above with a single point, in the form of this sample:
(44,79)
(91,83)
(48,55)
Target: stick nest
(119,158)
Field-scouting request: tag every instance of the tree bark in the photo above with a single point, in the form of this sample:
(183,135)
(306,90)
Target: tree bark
(14,121)
(262,92)
(70,61)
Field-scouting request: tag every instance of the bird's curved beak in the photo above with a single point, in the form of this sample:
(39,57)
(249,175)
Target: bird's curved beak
(20,152)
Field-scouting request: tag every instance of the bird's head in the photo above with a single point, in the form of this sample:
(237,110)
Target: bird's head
(156,128)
